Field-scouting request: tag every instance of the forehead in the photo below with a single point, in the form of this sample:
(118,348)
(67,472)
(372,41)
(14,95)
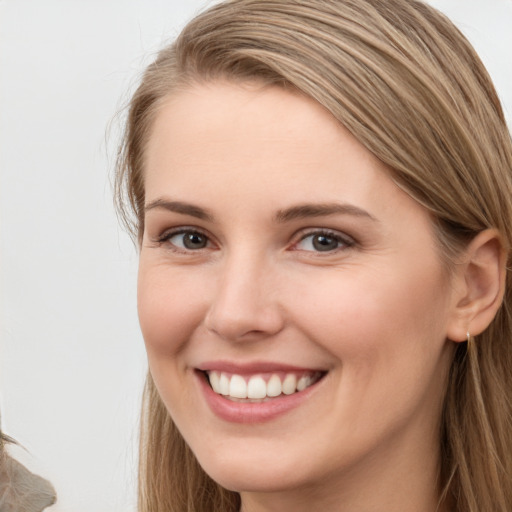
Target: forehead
(246,153)
(239,110)
(234,145)
(245,130)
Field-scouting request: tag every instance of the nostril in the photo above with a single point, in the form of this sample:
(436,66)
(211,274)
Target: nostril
(243,306)
(243,324)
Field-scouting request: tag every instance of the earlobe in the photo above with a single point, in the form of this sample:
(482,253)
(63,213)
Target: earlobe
(480,287)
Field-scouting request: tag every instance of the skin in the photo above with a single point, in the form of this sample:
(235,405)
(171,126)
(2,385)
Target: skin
(374,312)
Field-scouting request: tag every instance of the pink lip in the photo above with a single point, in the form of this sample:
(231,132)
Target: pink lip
(251,368)
(255,412)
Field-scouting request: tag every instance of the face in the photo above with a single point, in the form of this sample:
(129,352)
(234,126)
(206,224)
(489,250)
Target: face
(292,298)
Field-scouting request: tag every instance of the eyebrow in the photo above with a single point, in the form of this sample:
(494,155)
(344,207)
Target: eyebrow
(301,211)
(179,207)
(307,210)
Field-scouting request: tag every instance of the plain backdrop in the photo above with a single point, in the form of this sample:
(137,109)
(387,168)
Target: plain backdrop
(72,363)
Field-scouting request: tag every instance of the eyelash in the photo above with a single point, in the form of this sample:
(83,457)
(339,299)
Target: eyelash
(166,237)
(344,242)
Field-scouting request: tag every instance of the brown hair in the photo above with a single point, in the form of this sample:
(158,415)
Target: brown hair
(408,85)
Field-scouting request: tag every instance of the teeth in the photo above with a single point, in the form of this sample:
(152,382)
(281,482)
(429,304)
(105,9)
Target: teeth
(215,382)
(303,383)
(274,387)
(256,388)
(237,387)
(224,384)
(289,384)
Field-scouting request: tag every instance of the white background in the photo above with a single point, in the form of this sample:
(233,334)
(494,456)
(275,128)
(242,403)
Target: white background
(72,362)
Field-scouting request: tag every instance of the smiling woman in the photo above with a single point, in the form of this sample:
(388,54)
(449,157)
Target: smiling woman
(321,197)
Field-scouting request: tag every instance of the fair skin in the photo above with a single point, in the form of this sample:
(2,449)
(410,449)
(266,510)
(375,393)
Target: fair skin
(276,244)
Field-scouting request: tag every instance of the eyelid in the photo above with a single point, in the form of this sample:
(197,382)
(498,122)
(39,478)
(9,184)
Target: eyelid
(345,240)
(167,234)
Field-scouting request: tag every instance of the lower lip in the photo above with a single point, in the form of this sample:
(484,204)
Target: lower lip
(252,412)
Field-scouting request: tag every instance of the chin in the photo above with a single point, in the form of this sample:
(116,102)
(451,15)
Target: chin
(250,480)
(243,474)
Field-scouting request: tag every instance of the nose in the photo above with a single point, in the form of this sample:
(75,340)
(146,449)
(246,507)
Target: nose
(245,305)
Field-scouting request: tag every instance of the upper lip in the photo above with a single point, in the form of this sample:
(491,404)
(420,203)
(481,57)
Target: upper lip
(253,367)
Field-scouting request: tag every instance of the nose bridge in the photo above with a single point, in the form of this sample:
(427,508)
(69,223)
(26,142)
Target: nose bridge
(244,305)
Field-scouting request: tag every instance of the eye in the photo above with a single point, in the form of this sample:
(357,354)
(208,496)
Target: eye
(188,240)
(322,241)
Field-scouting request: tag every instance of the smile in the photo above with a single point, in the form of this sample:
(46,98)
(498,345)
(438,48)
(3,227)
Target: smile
(260,387)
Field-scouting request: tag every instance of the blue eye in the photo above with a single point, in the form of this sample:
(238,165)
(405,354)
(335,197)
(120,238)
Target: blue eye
(321,242)
(187,240)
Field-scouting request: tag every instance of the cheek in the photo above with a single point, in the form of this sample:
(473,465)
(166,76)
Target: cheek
(168,316)
(170,308)
(387,334)
(375,320)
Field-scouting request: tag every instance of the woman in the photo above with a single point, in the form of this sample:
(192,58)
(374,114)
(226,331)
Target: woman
(321,196)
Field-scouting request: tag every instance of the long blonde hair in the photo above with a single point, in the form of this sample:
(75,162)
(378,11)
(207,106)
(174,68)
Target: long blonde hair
(408,85)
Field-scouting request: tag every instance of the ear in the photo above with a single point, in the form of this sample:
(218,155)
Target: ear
(479,285)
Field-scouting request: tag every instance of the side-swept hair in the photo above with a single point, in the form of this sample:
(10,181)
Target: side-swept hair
(408,85)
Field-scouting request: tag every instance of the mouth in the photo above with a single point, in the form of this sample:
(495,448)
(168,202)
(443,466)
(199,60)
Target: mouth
(260,387)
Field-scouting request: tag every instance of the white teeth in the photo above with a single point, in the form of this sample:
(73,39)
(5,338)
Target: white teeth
(224,384)
(215,381)
(255,388)
(274,387)
(237,387)
(303,383)
(289,384)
